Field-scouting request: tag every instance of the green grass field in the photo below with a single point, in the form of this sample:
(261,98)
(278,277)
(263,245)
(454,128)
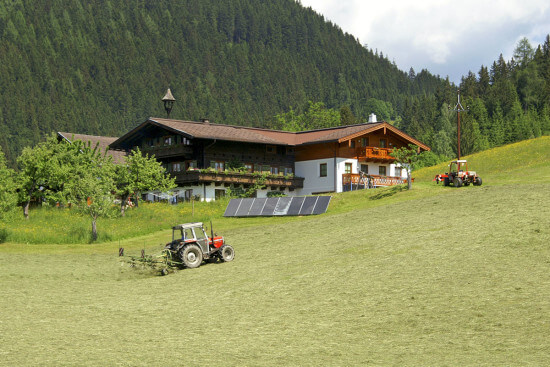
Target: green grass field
(435,276)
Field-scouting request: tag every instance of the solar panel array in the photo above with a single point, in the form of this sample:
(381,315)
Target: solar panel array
(281,206)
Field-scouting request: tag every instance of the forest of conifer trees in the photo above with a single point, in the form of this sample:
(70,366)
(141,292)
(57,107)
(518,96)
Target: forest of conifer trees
(101,67)
(507,102)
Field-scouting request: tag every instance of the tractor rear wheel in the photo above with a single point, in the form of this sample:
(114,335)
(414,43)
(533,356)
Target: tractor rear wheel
(477,181)
(446,181)
(191,256)
(227,253)
(457,182)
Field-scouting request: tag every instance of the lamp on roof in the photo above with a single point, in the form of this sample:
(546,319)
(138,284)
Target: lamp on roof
(168,101)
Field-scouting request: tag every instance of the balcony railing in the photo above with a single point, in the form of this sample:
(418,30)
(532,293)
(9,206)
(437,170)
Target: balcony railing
(374,153)
(190,177)
(353,181)
(163,151)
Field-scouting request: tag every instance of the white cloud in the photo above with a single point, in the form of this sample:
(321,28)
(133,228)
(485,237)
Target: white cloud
(444,36)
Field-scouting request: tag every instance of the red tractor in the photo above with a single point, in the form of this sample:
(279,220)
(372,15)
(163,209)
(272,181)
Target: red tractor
(459,175)
(191,245)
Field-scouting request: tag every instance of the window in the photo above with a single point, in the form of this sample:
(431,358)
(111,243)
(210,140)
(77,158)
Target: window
(382,143)
(323,170)
(257,168)
(199,233)
(347,168)
(266,168)
(352,144)
(219,193)
(248,167)
(191,164)
(271,149)
(398,171)
(288,170)
(188,234)
(364,142)
(217,165)
(365,168)
(382,170)
(274,170)
(176,167)
(167,140)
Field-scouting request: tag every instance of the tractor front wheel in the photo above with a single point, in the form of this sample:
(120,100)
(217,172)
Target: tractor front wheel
(227,253)
(191,256)
(477,181)
(457,182)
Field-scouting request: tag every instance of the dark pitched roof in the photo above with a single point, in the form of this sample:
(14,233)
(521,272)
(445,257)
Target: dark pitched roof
(103,143)
(207,130)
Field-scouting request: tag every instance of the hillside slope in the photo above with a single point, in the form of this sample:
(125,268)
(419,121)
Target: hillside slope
(527,161)
(100,67)
(409,283)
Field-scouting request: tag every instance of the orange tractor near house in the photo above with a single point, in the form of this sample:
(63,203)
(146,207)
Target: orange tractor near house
(459,175)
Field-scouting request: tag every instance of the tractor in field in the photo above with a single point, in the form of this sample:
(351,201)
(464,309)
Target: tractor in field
(459,175)
(191,245)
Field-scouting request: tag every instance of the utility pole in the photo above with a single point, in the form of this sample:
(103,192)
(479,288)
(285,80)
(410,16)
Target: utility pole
(458,108)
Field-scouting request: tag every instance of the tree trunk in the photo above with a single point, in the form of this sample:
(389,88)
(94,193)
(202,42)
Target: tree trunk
(28,203)
(137,200)
(94,230)
(26,209)
(122,206)
(409,182)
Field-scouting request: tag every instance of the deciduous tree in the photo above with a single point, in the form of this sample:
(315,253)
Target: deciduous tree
(406,157)
(140,173)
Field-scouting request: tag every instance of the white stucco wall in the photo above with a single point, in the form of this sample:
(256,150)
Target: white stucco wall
(313,182)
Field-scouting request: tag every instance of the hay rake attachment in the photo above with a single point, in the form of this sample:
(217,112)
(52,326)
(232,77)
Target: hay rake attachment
(164,262)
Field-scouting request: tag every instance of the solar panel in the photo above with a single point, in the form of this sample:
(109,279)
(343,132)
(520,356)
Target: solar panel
(282,206)
(257,207)
(232,207)
(244,208)
(321,205)
(309,204)
(295,205)
(269,207)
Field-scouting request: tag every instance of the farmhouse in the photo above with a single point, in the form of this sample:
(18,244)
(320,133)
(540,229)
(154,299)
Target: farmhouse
(201,156)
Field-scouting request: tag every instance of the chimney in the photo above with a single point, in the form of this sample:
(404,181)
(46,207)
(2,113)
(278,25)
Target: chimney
(372,118)
(206,121)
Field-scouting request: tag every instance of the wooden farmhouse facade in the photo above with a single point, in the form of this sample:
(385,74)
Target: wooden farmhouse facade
(199,155)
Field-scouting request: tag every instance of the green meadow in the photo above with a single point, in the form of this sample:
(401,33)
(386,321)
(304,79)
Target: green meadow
(434,276)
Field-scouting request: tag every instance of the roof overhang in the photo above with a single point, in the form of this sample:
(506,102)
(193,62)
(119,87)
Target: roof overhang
(135,132)
(385,126)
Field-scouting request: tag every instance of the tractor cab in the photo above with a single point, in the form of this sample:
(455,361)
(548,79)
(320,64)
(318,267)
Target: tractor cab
(458,166)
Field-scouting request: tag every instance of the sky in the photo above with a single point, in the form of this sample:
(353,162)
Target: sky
(449,38)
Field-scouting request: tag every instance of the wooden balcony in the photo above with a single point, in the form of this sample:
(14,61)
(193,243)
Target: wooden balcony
(353,181)
(374,154)
(228,178)
(164,151)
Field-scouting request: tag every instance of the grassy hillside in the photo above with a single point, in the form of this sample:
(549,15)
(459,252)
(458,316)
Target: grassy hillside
(434,276)
(523,162)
